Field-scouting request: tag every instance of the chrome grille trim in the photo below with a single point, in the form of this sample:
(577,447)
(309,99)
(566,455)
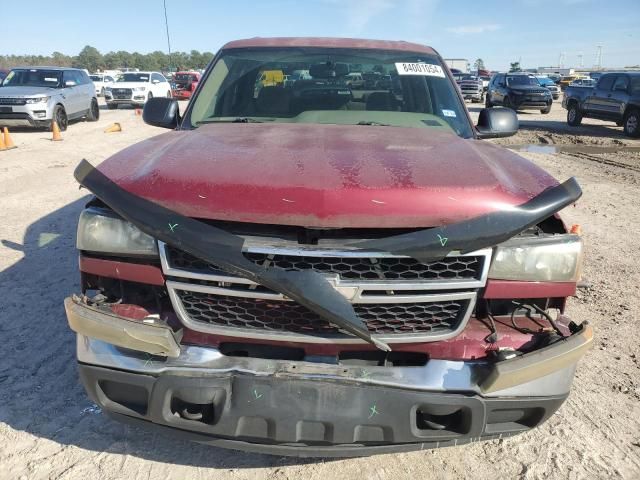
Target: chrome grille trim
(356,291)
(184,317)
(433,284)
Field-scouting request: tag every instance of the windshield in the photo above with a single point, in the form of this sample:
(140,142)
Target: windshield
(544,81)
(33,77)
(133,77)
(95,78)
(513,80)
(401,89)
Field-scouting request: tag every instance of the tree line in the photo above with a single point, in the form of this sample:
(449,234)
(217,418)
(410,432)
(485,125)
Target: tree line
(91,59)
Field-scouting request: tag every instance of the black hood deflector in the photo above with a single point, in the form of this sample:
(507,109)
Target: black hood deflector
(307,287)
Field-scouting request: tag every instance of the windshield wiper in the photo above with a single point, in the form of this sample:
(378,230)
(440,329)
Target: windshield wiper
(370,122)
(232,120)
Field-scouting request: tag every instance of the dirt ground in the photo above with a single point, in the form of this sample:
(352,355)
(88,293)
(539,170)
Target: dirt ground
(50,429)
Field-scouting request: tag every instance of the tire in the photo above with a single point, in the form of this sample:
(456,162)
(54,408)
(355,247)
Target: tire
(112,106)
(506,103)
(60,116)
(487,102)
(574,117)
(150,96)
(631,124)
(545,111)
(94,111)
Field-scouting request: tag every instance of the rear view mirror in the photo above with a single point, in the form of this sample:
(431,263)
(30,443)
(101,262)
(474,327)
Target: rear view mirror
(497,122)
(161,112)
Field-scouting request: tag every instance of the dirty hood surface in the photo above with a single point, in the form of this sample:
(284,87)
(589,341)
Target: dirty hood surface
(327,176)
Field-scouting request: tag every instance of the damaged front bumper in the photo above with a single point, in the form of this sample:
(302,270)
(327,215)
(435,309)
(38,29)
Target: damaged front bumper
(312,409)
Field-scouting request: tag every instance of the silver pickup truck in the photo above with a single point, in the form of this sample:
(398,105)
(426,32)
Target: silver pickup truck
(36,96)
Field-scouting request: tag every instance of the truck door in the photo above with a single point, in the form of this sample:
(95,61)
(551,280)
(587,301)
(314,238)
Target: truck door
(596,100)
(618,98)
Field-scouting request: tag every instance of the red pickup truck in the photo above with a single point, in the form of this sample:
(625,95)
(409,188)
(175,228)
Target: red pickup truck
(300,270)
(185,83)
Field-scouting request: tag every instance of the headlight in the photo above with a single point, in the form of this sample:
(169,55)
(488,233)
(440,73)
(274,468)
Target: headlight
(102,231)
(556,258)
(139,89)
(38,100)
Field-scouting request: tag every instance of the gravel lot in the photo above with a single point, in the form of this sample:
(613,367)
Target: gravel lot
(49,428)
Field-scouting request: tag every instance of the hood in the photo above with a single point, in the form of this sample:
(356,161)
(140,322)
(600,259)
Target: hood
(325,176)
(26,91)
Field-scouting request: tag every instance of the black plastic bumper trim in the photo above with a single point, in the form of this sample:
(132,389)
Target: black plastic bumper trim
(308,417)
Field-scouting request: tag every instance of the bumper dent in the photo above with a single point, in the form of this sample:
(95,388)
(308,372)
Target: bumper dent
(153,339)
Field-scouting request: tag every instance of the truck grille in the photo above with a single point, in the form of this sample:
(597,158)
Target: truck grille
(400,299)
(121,93)
(12,101)
(268,315)
(351,268)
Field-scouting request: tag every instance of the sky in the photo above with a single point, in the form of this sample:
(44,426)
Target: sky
(534,32)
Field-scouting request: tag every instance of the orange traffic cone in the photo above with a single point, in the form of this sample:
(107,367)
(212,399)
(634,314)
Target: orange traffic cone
(138,111)
(2,145)
(8,143)
(56,132)
(113,128)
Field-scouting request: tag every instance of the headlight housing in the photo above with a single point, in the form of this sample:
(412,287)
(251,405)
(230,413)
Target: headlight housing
(554,258)
(103,231)
(139,89)
(37,100)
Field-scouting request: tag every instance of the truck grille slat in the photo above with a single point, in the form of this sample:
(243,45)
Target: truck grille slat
(252,313)
(351,268)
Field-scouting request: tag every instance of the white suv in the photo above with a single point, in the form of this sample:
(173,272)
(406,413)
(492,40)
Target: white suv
(135,88)
(36,96)
(101,82)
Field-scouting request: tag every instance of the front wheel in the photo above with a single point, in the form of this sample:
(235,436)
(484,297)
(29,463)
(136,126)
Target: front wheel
(632,123)
(487,102)
(60,117)
(94,111)
(545,111)
(574,117)
(506,103)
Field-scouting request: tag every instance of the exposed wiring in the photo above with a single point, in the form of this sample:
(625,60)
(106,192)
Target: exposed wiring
(530,308)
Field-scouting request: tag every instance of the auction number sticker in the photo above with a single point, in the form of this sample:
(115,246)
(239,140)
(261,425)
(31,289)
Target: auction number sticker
(425,69)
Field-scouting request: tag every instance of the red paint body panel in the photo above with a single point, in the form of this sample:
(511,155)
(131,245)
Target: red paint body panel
(511,289)
(133,272)
(469,345)
(326,175)
(325,42)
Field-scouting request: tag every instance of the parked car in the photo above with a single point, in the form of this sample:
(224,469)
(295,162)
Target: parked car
(583,82)
(36,96)
(136,88)
(569,79)
(616,98)
(313,273)
(472,89)
(518,91)
(555,77)
(101,81)
(185,85)
(355,80)
(550,85)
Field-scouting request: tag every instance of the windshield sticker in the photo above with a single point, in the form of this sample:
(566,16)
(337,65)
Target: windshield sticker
(425,69)
(48,79)
(448,113)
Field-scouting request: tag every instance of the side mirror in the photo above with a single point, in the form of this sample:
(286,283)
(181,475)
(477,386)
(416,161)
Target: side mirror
(497,122)
(70,83)
(161,112)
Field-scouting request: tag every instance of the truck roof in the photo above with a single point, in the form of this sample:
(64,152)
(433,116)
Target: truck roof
(328,42)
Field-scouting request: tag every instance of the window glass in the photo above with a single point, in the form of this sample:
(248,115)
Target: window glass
(314,85)
(606,82)
(621,83)
(33,77)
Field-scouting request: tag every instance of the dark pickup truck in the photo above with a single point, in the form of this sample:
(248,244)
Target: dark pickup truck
(298,270)
(616,97)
